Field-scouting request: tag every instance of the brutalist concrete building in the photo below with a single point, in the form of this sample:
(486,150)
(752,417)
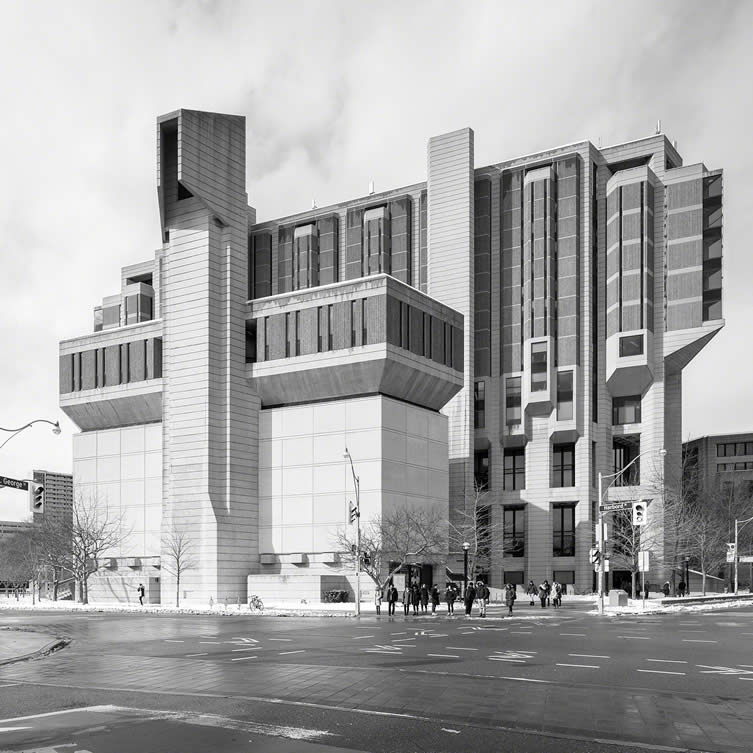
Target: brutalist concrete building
(521,325)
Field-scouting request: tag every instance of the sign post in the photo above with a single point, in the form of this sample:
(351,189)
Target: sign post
(643,566)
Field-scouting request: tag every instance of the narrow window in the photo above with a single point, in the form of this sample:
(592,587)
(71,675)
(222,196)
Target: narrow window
(593,465)
(364,331)
(352,324)
(513,413)
(514,469)
(330,338)
(266,338)
(479,405)
(297,323)
(514,543)
(563,465)
(538,367)
(287,335)
(319,329)
(563,529)
(565,396)
(481,469)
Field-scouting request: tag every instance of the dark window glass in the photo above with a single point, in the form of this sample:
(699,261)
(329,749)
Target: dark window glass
(631,345)
(594,473)
(479,405)
(563,465)
(565,577)
(110,317)
(364,327)
(515,469)
(739,448)
(330,337)
(266,339)
(352,324)
(538,367)
(739,466)
(625,450)
(512,401)
(564,395)
(626,410)
(514,532)
(481,468)
(516,577)
(297,322)
(749,448)
(319,329)
(287,335)
(563,527)
(721,450)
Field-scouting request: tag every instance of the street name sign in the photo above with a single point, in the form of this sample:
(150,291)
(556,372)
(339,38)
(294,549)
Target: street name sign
(644,561)
(745,558)
(14,483)
(616,506)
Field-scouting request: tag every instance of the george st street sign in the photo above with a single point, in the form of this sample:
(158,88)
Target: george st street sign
(14,483)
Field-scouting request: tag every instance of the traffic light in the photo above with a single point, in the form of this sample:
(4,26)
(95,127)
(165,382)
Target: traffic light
(639,513)
(366,560)
(36,497)
(354,513)
(594,556)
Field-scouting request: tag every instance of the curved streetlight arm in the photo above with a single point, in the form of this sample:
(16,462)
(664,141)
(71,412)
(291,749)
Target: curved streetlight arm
(615,476)
(13,432)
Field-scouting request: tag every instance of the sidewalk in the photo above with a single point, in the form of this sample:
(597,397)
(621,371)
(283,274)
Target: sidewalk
(16,644)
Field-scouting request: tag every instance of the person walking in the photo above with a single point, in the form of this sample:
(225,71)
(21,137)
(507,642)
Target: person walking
(469,598)
(681,588)
(434,598)
(449,597)
(406,599)
(532,592)
(557,594)
(645,591)
(378,599)
(482,594)
(141,592)
(542,593)
(391,599)
(424,598)
(665,588)
(415,598)
(548,587)
(510,596)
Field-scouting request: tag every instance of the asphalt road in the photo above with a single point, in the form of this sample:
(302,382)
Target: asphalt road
(544,680)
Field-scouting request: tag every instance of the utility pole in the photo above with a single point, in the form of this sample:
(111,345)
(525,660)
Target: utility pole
(739,528)
(355,517)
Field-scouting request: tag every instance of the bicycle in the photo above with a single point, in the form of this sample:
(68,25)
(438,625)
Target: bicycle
(255,604)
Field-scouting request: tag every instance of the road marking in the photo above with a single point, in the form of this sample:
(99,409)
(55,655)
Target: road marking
(379,651)
(361,637)
(167,640)
(520,632)
(454,731)
(460,648)
(582,666)
(282,653)
(404,632)
(660,672)
(579,635)
(515,652)
(711,670)
(635,637)
(590,656)
(13,729)
(243,658)
(187,655)
(445,656)
(250,648)
(213,643)
(697,640)
(504,658)
(668,661)
(287,640)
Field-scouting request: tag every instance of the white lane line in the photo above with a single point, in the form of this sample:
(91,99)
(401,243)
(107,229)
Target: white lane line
(250,648)
(282,653)
(579,635)
(18,729)
(361,637)
(697,640)
(668,661)
(460,648)
(520,632)
(502,658)
(635,637)
(404,632)
(445,656)
(379,651)
(581,666)
(244,658)
(516,651)
(590,656)
(167,640)
(660,672)
(287,640)
(197,655)
(213,643)
(467,634)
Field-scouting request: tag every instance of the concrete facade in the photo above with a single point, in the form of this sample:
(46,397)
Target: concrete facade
(546,305)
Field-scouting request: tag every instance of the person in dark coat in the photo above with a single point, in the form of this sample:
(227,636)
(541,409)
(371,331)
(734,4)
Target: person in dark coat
(406,599)
(424,598)
(543,591)
(548,587)
(681,588)
(141,592)
(434,598)
(510,596)
(482,594)
(645,591)
(469,598)
(415,598)
(665,588)
(391,599)
(449,597)
(532,592)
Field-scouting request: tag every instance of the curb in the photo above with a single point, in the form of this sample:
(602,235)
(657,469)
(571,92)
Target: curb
(46,650)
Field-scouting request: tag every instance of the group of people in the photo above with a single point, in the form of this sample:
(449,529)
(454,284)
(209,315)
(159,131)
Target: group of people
(546,592)
(417,598)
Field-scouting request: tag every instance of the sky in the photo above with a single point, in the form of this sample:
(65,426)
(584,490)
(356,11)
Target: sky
(335,95)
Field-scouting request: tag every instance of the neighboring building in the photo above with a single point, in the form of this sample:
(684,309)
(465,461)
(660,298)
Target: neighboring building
(722,461)
(546,305)
(58,497)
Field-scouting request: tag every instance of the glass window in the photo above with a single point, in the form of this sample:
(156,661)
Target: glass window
(565,577)
(594,473)
(514,543)
(538,367)
(484,531)
(721,450)
(364,319)
(721,467)
(563,527)
(739,466)
(749,448)
(330,338)
(110,316)
(564,395)
(625,451)
(266,338)
(739,448)
(563,465)
(319,329)
(481,468)
(515,469)
(479,405)
(631,345)
(516,577)
(626,410)
(352,324)
(512,401)
(297,322)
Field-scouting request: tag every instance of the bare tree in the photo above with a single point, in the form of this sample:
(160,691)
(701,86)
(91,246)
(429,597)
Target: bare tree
(474,525)
(17,560)
(54,551)
(92,531)
(177,555)
(391,541)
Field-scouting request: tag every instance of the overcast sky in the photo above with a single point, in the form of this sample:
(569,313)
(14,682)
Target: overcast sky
(335,94)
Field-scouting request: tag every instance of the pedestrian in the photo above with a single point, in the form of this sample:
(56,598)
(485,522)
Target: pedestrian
(449,597)
(141,591)
(645,591)
(482,594)
(532,592)
(557,591)
(434,598)
(378,599)
(469,598)
(424,598)
(391,599)
(406,599)
(415,597)
(542,593)
(548,587)
(665,588)
(681,588)
(510,596)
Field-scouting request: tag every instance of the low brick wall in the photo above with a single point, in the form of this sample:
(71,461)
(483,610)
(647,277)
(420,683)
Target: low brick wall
(710,599)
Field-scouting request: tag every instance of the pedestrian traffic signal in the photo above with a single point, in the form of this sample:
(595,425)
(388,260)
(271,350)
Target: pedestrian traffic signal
(354,513)
(594,556)
(36,497)
(639,513)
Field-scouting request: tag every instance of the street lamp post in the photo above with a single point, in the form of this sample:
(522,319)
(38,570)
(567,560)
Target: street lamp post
(687,575)
(600,538)
(466,547)
(13,432)
(357,485)
(739,528)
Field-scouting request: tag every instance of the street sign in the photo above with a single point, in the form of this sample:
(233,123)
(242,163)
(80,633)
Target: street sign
(14,483)
(616,506)
(745,558)
(731,551)
(605,532)
(643,561)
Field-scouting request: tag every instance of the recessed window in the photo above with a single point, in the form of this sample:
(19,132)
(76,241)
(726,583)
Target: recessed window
(513,411)
(625,450)
(479,405)
(538,367)
(564,396)
(515,577)
(481,468)
(515,469)
(514,544)
(626,410)
(631,345)
(563,530)
(563,465)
